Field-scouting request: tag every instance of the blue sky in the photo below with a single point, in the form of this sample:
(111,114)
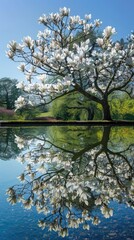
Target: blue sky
(19,18)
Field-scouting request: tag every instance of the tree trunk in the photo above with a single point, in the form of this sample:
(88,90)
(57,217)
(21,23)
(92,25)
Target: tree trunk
(106,110)
(7,101)
(90,112)
(105,138)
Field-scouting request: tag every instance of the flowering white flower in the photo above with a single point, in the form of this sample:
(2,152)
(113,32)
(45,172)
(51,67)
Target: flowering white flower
(28,42)
(97,22)
(10,191)
(21,67)
(12,199)
(88,17)
(108,31)
(19,141)
(107,212)
(43,19)
(20,85)
(63,232)
(41,224)
(100,41)
(96,221)
(117,46)
(21,177)
(27,203)
(84,213)
(28,167)
(86,227)
(64,11)
(42,78)
(30,103)
(20,102)
(10,54)
(12,45)
(98,201)
(74,19)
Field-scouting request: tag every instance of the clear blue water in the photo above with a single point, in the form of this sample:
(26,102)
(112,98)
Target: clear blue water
(78,155)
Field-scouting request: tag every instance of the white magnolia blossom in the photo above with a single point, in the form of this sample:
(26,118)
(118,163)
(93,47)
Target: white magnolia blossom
(20,102)
(100,41)
(28,42)
(19,141)
(20,85)
(21,67)
(107,212)
(108,31)
(42,78)
(22,177)
(88,16)
(97,22)
(64,11)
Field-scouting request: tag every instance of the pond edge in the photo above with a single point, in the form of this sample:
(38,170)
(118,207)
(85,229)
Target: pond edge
(14,123)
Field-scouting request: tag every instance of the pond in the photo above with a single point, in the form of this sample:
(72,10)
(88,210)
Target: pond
(71,182)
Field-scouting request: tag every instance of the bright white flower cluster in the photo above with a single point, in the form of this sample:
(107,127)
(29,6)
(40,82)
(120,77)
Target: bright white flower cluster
(20,102)
(20,142)
(108,31)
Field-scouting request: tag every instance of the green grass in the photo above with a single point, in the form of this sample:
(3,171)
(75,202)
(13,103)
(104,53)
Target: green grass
(46,114)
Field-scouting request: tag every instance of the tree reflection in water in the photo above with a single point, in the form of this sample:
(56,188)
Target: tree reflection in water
(8,148)
(70,178)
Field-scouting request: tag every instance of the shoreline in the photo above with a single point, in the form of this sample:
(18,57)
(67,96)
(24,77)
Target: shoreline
(14,123)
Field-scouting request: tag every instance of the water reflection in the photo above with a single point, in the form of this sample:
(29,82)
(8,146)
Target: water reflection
(71,174)
(8,148)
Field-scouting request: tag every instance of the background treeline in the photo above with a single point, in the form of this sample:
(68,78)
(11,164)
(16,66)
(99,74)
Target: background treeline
(70,107)
(75,107)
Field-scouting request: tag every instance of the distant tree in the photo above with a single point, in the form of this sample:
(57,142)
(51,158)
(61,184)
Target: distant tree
(64,50)
(122,106)
(8,147)
(8,92)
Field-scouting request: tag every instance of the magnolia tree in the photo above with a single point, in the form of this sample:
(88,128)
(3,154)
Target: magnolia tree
(65,52)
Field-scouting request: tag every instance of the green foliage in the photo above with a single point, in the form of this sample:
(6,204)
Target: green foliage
(75,107)
(8,147)
(74,137)
(122,106)
(8,93)
(6,114)
(28,113)
(121,137)
(45,114)
(59,109)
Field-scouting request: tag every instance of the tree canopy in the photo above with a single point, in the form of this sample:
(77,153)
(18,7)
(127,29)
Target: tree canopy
(8,92)
(66,52)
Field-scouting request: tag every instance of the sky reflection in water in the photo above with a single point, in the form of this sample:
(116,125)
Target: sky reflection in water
(73,182)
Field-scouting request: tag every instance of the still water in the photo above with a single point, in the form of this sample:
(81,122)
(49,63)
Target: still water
(67,183)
